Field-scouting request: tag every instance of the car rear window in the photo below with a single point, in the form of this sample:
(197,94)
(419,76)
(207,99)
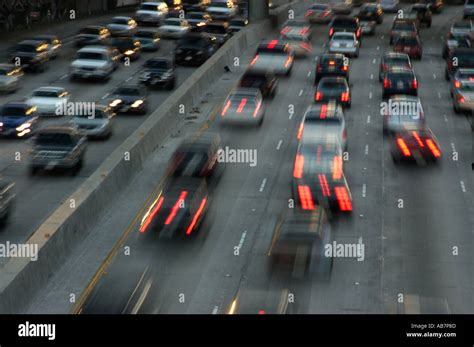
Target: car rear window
(54,138)
(404,76)
(407,41)
(404,26)
(333,85)
(127,91)
(396,61)
(46,94)
(346,23)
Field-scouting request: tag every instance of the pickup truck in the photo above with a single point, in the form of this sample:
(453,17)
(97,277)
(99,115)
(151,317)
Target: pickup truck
(266,82)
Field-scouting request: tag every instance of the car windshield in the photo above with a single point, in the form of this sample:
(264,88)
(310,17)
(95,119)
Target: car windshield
(148,7)
(145,34)
(90,56)
(403,26)
(296,23)
(89,31)
(120,21)
(319,7)
(157,64)
(173,22)
(120,42)
(346,23)
(409,41)
(343,37)
(467,87)
(238,22)
(12,111)
(396,61)
(274,50)
(195,16)
(60,139)
(219,4)
(191,41)
(404,76)
(215,29)
(46,94)
(462,25)
(332,85)
(26,48)
(127,91)
(465,57)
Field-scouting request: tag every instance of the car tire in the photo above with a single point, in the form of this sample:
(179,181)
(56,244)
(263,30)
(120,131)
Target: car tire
(75,170)
(171,85)
(395,159)
(446,75)
(391,41)
(429,25)
(32,171)
(456,109)
(348,105)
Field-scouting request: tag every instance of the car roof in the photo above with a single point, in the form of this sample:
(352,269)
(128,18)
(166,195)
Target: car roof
(400,69)
(52,129)
(94,49)
(333,79)
(332,56)
(396,55)
(50,89)
(31,42)
(16,104)
(331,110)
(176,185)
(255,92)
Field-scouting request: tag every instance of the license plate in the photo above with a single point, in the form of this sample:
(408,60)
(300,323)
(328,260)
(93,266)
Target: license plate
(343,45)
(52,165)
(407,49)
(331,68)
(400,85)
(188,58)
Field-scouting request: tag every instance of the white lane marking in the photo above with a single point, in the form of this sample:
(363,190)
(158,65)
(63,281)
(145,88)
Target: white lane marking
(262,186)
(463,187)
(434,76)
(381,37)
(370,95)
(364,190)
(63,76)
(279,145)
(215,310)
(301,92)
(105,96)
(432,37)
(368,119)
(378,48)
(439,95)
(309,73)
(366,149)
(445,118)
(242,239)
(129,79)
(373,61)
(371,76)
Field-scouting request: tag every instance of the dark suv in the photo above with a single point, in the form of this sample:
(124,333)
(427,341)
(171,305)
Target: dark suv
(399,80)
(459,58)
(371,12)
(345,23)
(194,49)
(30,55)
(331,65)
(423,13)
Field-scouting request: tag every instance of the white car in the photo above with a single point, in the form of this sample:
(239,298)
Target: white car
(98,125)
(94,62)
(10,78)
(122,26)
(319,13)
(468,11)
(54,44)
(244,105)
(463,97)
(296,27)
(151,13)
(222,9)
(273,55)
(344,42)
(48,100)
(174,28)
(299,44)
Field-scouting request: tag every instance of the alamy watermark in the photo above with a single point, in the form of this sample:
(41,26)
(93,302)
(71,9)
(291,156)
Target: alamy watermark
(345,250)
(19,250)
(237,156)
(401,108)
(66,108)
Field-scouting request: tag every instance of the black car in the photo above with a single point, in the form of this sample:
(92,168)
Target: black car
(331,65)
(415,144)
(30,55)
(92,35)
(195,5)
(393,59)
(459,58)
(129,99)
(194,49)
(236,24)
(399,80)
(218,32)
(423,12)
(436,6)
(371,12)
(159,72)
(265,81)
(333,88)
(455,40)
(345,23)
(128,46)
(198,19)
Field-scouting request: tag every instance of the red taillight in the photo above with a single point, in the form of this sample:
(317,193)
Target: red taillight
(324,112)
(318,96)
(242,104)
(285,30)
(331,31)
(337,168)
(414,84)
(433,148)
(254,60)
(152,214)
(461,99)
(304,31)
(323,182)
(306,198)
(384,67)
(358,32)
(299,166)
(176,207)
(300,131)
(306,46)
(403,146)
(257,109)
(343,199)
(457,84)
(226,107)
(308,13)
(196,217)
(418,139)
(345,97)
(319,68)
(386,83)
(289,61)
(345,67)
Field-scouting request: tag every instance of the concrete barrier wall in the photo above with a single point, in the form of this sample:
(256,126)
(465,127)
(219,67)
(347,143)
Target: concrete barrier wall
(20,278)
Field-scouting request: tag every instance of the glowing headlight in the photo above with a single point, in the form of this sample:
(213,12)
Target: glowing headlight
(200,24)
(129,52)
(137,103)
(115,102)
(23,126)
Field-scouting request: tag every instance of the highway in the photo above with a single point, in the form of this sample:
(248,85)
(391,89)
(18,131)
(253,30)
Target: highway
(416,222)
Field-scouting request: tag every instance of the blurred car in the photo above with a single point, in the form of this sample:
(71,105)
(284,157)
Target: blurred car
(341,6)
(331,65)
(30,55)
(423,12)
(48,100)
(463,27)
(7,200)
(415,144)
(296,27)
(333,88)
(159,72)
(463,96)
(54,44)
(390,6)
(458,59)
(436,6)
(94,62)
(194,49)
(222,9)
(399,80)
(273,55)
(244,106)
(129,99)
(392,59)
(299,44)
(319,13)
(468,10)
(324,119)
(178,210)
(460,75)
(266,82)
(195,5)
(57,147)
(92,35)
(218,32)
(410,45)
(402,27)
(128,46)
(371,12)
(18,119)
(98,125)
(345,43)
(402,111)
(121,25)
(455,40)
(151,13)
(10,78)
(345,24)
(368,27)
(149,39)
(237,24)
(198,19)
(174,28)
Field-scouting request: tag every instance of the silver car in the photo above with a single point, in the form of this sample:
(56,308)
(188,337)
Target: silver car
(54,44)
(244,105)
(299,44)
(49,100)
(10,78)
(151,13)
(344,42)
(463,97)
(273,55)
(174,28)
(319,13)
(98,125)
(122,26)
(390,5)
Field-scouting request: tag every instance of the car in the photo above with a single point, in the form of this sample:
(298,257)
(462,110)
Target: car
(318,176)
(94,62)
(299,44)
(296,27)
(54,44)
(266,82)
(128,46)
(393,59)
(57,148)
(460,75)
(218,32)
(151,13)
(198,19)
(371,12)
(415,143)
(333,88)
(331,65)
(463,96)
(341,6)
(324,119)
(30,55)
(237,24)
(7,200)
(18,119)
(299,241)
(273,55)
(222,10)
(468,11)
(424,14)
(49,100)
(159,72)
(402,111)
(194,49)
(453,41)
(10,78)
(345,43)
(399,80)
(345,24)
(195,5)
(174,28)
(463,27)
(178,210)
(368,27)
(122,25)
(390,6)
(243,106)
(129,99)
(319,13)
(436,6)
(92,35)
(458,59)
(149,39)
(98,125)
(402,27)
(410,45)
